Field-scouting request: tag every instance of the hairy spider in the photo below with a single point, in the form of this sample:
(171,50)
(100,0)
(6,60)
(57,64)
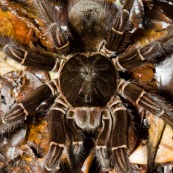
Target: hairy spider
(89,91)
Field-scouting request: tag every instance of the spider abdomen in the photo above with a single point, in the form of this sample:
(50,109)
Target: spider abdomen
(88,81)
(88,23)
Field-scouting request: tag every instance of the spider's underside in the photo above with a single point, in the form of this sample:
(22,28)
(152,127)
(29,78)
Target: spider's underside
(89,90)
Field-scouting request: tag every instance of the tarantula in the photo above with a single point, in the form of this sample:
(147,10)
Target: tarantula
(89,91)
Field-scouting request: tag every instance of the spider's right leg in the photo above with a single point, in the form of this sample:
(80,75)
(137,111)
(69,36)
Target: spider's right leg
(36,59)
(52,14)
(75,139)
(57,134)
(20,111)
(81,144)
(59,38)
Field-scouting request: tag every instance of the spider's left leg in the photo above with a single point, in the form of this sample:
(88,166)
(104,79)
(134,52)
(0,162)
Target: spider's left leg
(120,30)
(57,134)
(119,136)
(154,52)
(112,141)
(102,153)
(148,101)
(151,102)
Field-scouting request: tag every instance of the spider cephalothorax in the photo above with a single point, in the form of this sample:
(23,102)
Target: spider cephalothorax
(93,80)
(88,91)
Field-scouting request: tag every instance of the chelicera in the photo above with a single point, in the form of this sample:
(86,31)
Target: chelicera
(89,90)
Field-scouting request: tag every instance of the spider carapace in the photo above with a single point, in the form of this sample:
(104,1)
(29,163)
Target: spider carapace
(92,80)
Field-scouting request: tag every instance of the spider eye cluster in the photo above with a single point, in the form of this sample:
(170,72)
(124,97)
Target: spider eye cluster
(88,81)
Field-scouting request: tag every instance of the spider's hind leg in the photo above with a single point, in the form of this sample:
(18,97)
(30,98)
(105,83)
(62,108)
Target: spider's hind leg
(60,39)
(155,52)
(119,33)
(53,14)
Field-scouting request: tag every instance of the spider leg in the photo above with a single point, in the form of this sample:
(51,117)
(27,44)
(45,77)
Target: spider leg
(74,133)
(76,141)
(112,141)
(119,32)
(153,52)
(20,111)
(57,133)
(151,102)
(102,151)
(81,134)
(119,136)
(51,14)
(40,60)
(59,38)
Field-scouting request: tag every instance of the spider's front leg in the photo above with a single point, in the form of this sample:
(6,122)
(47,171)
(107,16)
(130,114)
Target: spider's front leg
(20,111)
(102,146)
(113,139)
(119,136)
(151,102)
(64,133)
(57,134)
(79,123)
(75,146)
